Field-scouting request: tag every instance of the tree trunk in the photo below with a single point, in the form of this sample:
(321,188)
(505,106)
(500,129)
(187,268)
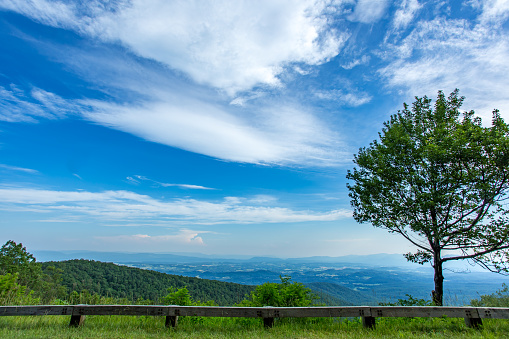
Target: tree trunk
(438,293)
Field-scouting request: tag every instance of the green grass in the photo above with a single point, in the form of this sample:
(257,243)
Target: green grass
(191,327)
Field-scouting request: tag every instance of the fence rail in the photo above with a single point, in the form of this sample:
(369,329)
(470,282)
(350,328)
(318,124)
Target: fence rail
(473,315)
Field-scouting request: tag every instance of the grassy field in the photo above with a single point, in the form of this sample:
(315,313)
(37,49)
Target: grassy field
(191,327)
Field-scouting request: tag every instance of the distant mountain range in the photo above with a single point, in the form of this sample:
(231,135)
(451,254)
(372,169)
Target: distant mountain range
(384,260)
(378,260)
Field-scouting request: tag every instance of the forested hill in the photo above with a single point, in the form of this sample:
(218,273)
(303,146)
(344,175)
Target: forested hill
(108,279)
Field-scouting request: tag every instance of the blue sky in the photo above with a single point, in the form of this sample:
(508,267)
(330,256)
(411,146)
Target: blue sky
(220,127)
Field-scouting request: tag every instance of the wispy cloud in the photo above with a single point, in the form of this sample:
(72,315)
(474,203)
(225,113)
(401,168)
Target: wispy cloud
(356,62)
(18,169)
(352,98)
(16,105)
(494,11)
(163,184)
(132,207)
(405,13)
(368,11)
(183,236)
(447,54)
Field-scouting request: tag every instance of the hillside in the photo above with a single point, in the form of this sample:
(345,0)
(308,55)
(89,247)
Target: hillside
(109,279)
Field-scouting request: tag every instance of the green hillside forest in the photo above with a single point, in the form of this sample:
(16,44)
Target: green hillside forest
(108,279)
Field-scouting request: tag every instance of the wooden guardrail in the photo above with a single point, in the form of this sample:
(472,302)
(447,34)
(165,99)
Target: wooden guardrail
(473,315)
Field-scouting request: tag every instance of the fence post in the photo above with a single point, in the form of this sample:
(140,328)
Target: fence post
(171,320)
(473,323)
(268,322)
(76,320)
(369,322)
(472,319)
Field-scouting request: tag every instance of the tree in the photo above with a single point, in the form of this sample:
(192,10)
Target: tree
(181,296)
(440,182)
(14,258)
(178,297)
(285,294)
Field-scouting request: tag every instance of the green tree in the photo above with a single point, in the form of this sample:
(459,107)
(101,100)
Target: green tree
(182,297)
(285,294)
(440,182)
(50,286)
(12,293)
(177,297)
(14,258)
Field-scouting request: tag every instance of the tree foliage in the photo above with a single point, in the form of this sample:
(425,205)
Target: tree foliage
(285,294)
(12,293)
(14,258)
(441,182)
(181,296)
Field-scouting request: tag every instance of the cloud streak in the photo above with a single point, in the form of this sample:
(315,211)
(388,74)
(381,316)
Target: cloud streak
(184,236)
(18,169)
(138,178)
(18,106)
(132,207)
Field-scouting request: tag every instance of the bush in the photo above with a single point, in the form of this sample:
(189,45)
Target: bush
(182,297)
(285,294)
(12,293)
(498,299)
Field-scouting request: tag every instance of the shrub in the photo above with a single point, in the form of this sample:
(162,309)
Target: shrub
(285,294)
(498,299)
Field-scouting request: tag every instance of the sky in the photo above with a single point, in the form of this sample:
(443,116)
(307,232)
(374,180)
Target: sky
(220,127)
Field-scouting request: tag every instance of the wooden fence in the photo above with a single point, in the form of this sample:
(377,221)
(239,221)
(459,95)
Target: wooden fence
(473,315)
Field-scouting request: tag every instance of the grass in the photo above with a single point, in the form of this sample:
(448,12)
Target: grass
(192,327)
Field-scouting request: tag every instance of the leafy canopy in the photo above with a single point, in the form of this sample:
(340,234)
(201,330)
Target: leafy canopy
(285,294)
(438,180)
(14,258)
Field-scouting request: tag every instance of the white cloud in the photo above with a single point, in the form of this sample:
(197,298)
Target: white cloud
(405,14)
(362,61)
(52,13)
(130,207)
(270,135)
(495,11)
(18,169)
(369,11)
(263,199)
(447,54)
(349,98)
(232,46)
(184,236)
(193,126)
(18,106)
(282,135)
(163,184)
